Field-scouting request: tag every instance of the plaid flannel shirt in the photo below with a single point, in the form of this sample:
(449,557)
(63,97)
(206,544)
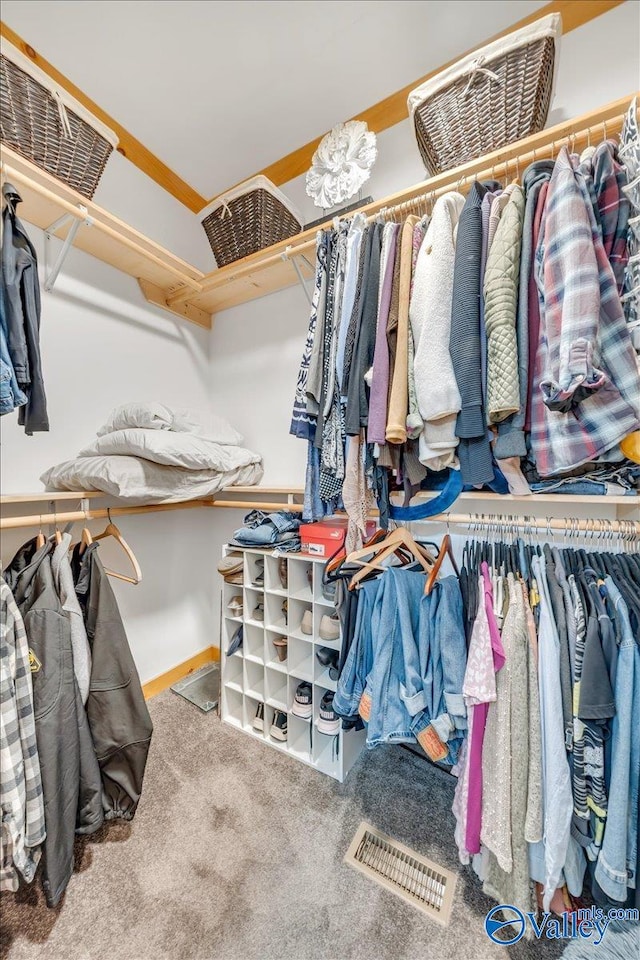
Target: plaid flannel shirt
(21,800)
(605,177)
(587,397)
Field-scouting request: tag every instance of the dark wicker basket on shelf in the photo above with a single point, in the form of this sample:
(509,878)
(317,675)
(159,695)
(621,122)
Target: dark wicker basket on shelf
(31,124)
(245,224)
(475,114)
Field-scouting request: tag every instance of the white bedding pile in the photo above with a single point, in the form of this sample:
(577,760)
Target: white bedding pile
(147,453)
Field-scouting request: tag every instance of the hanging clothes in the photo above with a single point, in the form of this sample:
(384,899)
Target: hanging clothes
(120,724)
(485,338)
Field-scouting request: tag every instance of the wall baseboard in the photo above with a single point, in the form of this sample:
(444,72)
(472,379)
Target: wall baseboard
(165,680)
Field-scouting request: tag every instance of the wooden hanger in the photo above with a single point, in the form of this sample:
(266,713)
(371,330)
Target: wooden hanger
(446,550)
(399,538)
(340,555)
(112,531)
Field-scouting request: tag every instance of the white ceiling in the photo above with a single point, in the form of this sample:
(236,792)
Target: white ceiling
(219,89)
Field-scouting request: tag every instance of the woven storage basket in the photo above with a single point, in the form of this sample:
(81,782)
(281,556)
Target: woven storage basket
(494,96)
(47,125)
(249,218)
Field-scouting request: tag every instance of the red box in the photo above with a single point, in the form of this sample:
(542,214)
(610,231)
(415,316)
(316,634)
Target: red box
(323,539)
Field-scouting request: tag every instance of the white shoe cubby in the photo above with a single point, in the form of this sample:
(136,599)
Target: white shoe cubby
(287,588)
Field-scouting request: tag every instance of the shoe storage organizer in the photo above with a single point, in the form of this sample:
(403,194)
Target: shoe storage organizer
(282,598)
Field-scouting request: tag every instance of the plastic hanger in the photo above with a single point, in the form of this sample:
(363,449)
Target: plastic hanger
(112,531)
(446,550)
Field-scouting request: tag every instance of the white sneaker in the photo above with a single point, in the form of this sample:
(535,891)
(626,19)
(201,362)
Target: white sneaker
(330,628)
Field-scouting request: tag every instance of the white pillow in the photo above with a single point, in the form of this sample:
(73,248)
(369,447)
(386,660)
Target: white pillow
(186,450)
(151,415)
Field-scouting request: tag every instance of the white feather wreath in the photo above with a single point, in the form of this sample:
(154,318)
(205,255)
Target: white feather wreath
(341,164)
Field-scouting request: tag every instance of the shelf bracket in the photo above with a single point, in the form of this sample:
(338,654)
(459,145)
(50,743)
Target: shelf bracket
(50,232)
(286,256)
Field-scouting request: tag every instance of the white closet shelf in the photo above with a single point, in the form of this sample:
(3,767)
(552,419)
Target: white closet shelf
(46,200)
(270,269)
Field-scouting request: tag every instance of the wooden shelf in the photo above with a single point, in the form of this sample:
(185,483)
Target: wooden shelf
(269,270)
(160,273)
(10,498)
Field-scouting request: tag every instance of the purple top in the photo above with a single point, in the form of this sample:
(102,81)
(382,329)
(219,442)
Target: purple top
(376,429)
(480,712)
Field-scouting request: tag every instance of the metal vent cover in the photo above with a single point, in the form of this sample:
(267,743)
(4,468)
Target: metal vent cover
(422,883)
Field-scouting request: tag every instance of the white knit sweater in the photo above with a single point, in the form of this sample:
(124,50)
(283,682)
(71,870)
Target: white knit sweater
(430,316)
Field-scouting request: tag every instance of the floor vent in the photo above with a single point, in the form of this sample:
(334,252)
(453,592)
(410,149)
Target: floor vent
(424,884)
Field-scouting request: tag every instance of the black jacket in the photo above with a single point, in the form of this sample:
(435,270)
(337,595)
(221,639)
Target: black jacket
(21,294)
(118,717)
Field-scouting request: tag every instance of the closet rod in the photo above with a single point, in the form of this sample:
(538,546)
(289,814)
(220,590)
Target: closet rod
(567,525)
(11,174)
(44,519)
(252,505)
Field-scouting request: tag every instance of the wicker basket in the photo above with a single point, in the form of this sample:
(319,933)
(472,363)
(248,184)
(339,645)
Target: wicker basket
(493,97)
(249,218)
(48,126)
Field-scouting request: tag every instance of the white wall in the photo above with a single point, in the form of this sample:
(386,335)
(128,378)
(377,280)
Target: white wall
(103,345)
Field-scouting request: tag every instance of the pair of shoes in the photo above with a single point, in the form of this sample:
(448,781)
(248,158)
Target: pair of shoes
(329,658)
(235,606)
(285,609)
(329,626)
(302,703)
(236,641)
(259,577)
(281,648)
(328,721)
(278,729)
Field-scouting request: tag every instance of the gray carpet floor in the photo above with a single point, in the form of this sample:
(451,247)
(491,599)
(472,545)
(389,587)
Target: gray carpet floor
(236,854)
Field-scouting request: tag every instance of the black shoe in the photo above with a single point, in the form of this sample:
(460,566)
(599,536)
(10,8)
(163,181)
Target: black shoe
(328,721)
(258,721)
(302,704)
(279,726)
(329,658)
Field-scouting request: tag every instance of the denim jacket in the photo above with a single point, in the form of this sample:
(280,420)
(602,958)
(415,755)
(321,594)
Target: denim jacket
(21,316)
(11,396)
(443,661)
(393,632)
